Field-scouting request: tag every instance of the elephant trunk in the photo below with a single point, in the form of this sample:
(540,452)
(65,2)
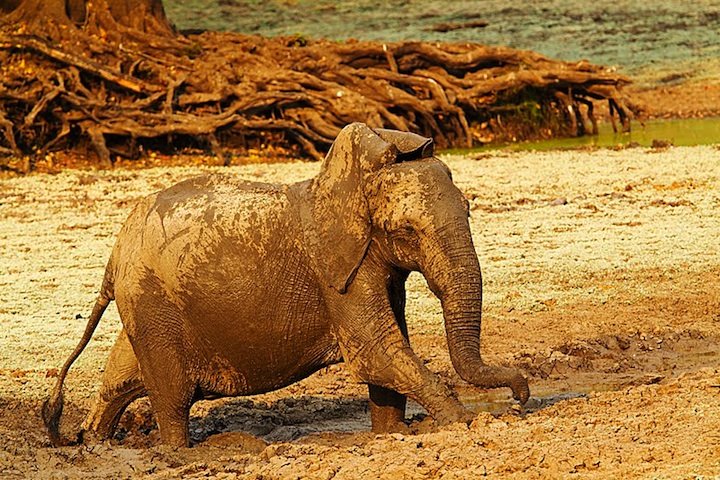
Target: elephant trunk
(453,273)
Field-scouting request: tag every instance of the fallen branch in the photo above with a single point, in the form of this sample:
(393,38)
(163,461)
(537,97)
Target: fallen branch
(40,46)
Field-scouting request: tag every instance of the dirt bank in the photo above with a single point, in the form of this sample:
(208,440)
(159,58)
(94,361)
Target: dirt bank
(602,275)
(683,100)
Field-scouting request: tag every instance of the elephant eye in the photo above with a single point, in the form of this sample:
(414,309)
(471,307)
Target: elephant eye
(406,228)
(405,238)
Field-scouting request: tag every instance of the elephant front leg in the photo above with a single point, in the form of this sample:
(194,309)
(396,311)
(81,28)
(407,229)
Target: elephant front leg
(387,407)
(377,353)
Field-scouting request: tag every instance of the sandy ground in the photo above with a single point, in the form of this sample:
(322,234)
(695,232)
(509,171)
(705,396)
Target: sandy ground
(601,274)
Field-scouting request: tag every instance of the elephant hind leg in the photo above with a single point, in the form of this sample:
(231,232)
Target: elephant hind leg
(171,389)
(171,396)
(122,384)
(169,365)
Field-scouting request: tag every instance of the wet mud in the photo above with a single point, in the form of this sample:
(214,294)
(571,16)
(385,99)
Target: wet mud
(601,276)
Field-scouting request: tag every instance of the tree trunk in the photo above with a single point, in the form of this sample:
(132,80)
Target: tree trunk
(48,17)
(144,15)
(147,16)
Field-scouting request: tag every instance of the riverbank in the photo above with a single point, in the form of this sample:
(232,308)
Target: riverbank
(692,99)
(655,43)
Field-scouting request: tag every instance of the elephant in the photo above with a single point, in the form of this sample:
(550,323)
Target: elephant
(227,287)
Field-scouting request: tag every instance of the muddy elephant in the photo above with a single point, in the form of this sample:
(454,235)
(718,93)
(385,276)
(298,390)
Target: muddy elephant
(227,287)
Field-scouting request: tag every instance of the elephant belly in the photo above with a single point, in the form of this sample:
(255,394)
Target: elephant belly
(235,342)
(256,361)
(258,343)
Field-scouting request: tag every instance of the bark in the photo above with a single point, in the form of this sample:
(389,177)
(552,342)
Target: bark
(146,16)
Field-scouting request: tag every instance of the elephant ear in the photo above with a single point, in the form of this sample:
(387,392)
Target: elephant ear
(336,220)
(410,145)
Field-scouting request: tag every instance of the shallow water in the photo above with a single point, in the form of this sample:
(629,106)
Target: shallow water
(674,38)
(500,402)
(684,132)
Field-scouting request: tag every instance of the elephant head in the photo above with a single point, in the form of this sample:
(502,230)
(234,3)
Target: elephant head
(386,187)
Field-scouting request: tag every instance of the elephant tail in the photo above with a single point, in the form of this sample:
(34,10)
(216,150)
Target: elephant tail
(52,407)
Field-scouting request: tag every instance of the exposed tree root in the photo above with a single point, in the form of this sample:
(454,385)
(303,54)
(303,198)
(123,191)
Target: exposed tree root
(119,87)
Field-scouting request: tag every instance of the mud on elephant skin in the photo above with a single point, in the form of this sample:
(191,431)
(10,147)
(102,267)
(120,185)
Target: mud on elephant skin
(228,288)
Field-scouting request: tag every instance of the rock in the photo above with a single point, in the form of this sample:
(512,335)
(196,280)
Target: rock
(660,144)
(273,450)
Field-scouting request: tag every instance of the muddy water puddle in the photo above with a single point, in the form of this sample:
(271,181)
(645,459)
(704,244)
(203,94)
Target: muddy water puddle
(681,132)
(587,368)
(548,393)
(355,417)
(310,417)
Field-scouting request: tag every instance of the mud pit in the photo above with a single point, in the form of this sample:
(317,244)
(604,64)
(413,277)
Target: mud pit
(602,279)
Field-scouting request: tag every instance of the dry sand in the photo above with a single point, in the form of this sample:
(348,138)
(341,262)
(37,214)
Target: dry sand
(601,275)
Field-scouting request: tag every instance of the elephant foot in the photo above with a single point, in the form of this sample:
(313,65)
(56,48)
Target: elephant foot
(392,427)
(88,437)
(387,410)
(430,424)
(455,413)
(102,419)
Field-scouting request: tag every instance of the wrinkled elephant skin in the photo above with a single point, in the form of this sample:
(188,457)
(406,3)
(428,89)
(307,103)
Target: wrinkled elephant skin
(227,287)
